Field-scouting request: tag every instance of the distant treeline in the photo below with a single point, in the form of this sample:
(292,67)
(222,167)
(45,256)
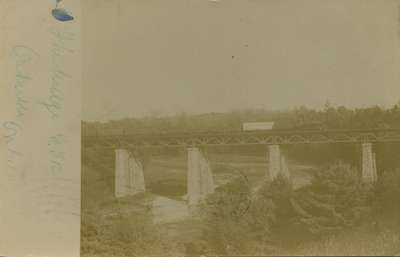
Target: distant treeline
(298,118)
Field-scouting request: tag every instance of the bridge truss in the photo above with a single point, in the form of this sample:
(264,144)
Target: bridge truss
(272,137)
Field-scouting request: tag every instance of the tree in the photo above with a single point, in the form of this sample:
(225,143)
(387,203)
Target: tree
(335,200)
(226,218)
(388,203)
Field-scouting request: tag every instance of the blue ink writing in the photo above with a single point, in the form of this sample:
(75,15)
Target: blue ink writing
(23,55)
(54,103)
(55,144)
(12,130)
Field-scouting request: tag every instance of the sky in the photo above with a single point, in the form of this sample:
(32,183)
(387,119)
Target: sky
(158,57)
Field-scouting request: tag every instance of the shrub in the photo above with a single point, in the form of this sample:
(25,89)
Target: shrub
(226,218)
(123,235)
(388,202)
(335,200)
(238,221)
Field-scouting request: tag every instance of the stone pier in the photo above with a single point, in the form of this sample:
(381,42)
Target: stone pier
(274,161)
(369,173)
(129,179)
(374,167)
(200,180)
(284,168)
(277,163)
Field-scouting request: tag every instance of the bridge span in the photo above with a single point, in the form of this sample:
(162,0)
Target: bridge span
(129,177)
(270,137)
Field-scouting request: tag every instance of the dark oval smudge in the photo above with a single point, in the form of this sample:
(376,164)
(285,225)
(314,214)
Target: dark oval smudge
(61,14)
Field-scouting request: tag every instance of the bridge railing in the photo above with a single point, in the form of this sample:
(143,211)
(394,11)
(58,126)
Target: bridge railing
(245,137)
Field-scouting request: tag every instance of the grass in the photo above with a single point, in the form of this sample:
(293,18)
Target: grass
(166,176)
(361,241)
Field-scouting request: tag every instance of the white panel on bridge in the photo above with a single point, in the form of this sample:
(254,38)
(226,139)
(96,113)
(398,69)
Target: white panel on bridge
(129,179)
(200,179)
(250,126)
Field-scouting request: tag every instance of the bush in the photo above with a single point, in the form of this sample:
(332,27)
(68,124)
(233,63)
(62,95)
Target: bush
(225,218)
(357,242)
(388,202)
(331,216)
(276,220)
(123,235)
(336,199)
(238,221)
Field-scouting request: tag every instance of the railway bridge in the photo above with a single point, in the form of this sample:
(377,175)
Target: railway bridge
(129,177)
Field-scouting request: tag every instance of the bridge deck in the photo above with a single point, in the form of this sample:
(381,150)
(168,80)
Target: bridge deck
(270,137)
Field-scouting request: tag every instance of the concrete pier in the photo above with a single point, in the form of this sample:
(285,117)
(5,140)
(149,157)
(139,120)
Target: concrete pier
(274,161)
(277,163)
(200,181)
(129,179)
(369,173)
(374,167)
(284,168)
(121,170)
(137,183)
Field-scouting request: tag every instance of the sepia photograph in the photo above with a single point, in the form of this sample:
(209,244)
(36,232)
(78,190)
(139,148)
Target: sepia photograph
(240,128)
